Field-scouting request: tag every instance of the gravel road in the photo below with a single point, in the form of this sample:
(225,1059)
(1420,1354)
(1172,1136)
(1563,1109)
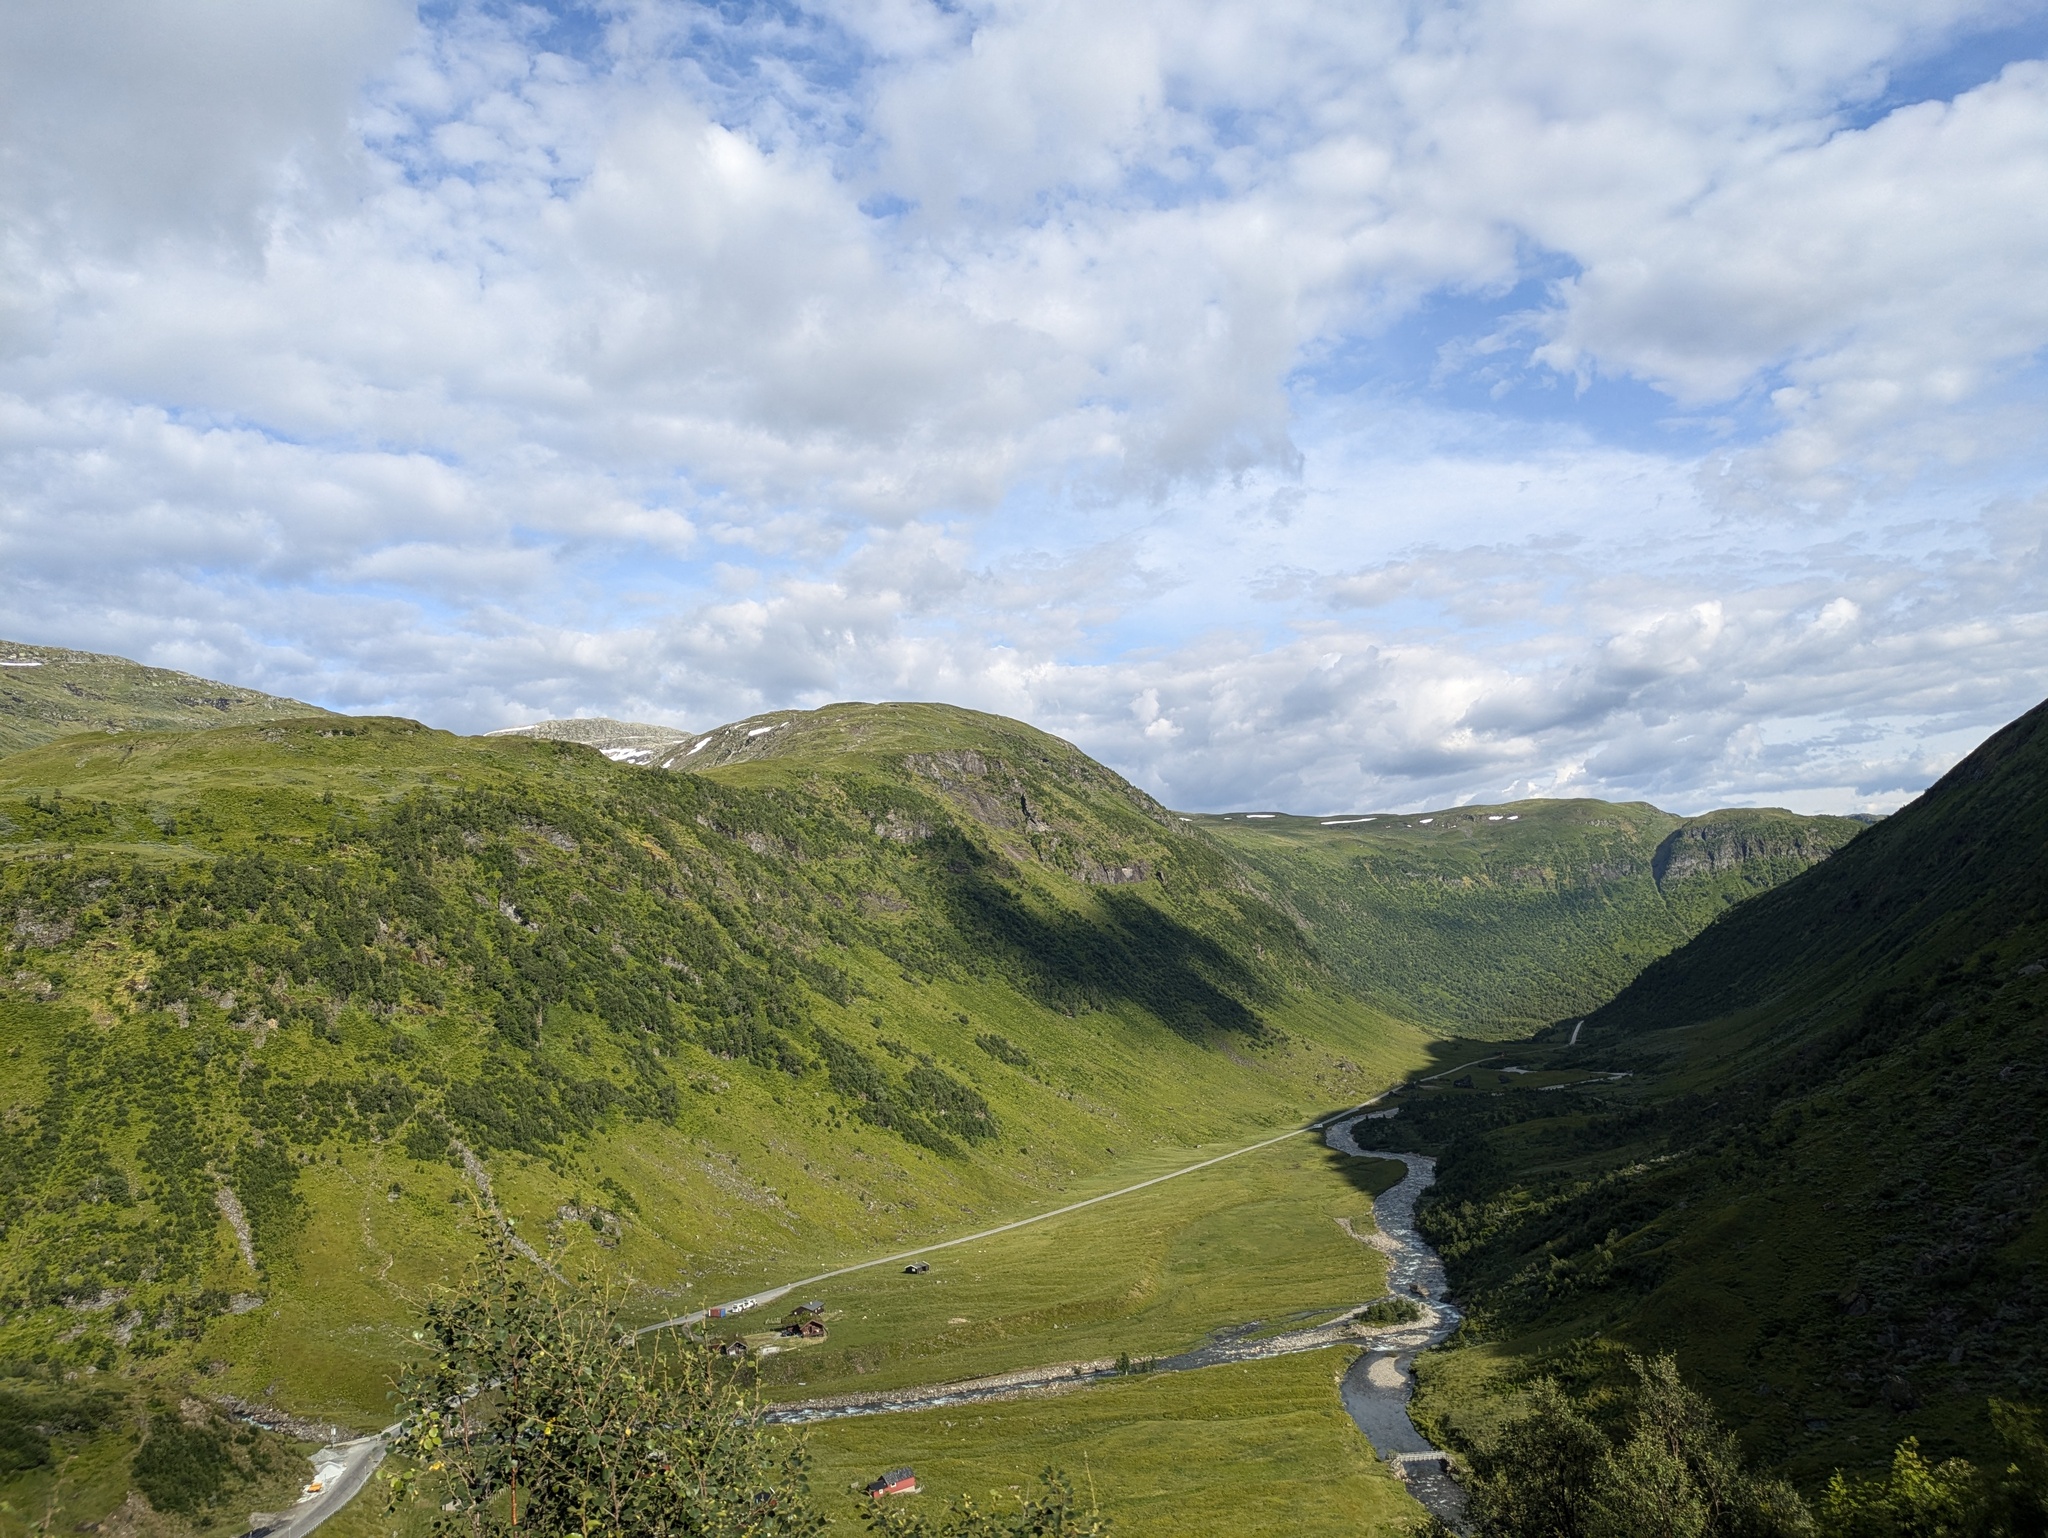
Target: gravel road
(339,1471)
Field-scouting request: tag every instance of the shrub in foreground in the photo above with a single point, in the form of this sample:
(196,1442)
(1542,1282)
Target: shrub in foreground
(533,1408)
(1675,1473)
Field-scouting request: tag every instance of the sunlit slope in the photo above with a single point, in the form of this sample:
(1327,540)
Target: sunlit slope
(280,999)
(51,691)
(1039,799)
(1494,920)
(1822,1183)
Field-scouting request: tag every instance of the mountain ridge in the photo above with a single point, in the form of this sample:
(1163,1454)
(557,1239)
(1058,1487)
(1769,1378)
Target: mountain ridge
(283,1000)
(48,692)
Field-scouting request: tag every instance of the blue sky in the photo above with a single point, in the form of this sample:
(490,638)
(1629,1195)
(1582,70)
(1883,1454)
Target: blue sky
(1297,405)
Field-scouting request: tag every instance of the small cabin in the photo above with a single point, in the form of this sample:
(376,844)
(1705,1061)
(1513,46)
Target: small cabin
(815,1306)
(736,1349)
(917,1268)
(806,1329)
(895,1482)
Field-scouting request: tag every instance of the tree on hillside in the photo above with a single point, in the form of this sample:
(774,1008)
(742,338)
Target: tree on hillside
(1680,1472)
(1540,1474)
(1952,1499)
(1676,1473)
(2019,1493)
(1912,1499)
(531,1408)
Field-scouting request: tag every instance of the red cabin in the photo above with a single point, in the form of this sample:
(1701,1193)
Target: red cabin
(895,1482)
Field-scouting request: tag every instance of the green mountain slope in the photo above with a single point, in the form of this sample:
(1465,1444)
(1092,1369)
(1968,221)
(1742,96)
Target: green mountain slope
(286,1004)
(49,691)
(276,997)
(1821,1182)
(1496,920)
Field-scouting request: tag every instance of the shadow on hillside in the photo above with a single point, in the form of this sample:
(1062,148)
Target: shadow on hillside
(1139,955)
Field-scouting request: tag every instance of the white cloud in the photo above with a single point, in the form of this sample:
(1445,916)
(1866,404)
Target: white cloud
(1061,360)
(134,120)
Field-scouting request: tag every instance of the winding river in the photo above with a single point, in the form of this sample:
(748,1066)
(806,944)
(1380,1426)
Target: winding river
(1377,1389)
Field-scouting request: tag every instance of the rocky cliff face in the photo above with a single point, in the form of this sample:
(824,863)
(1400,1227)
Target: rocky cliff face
(1766,842)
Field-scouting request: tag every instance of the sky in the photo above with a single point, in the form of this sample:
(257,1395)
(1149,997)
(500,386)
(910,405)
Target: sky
(1308,406)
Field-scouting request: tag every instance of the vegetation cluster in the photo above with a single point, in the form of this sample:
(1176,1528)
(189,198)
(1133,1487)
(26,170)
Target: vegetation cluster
(531,1405)
(524,945)
(1655,1460)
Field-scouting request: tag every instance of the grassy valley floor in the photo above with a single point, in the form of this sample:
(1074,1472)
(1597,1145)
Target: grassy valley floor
(1273,1238)
(1270,1240)
(1258,1449)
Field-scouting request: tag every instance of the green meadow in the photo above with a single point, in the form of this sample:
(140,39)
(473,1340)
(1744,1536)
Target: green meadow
(1266,1239)
(1262,1448)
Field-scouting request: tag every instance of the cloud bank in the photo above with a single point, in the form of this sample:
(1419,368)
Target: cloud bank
(1297,405)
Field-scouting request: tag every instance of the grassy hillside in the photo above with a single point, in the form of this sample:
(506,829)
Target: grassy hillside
(1821,1181)
(277,996)
(287,1007)
(1497,920)
(49,691)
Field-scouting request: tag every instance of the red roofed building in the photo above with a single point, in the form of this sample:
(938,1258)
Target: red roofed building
(895,1482)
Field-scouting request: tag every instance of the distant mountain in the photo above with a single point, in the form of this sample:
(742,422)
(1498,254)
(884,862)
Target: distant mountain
(51,691)
(624,742)
(1478,919)
(1497,920)
(1821,1182)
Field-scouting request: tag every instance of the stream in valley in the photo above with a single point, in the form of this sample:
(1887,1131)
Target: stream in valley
(1375,1390)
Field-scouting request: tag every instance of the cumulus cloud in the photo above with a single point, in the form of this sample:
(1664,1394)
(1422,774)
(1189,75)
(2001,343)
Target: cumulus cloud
(135,121)
(490,362)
